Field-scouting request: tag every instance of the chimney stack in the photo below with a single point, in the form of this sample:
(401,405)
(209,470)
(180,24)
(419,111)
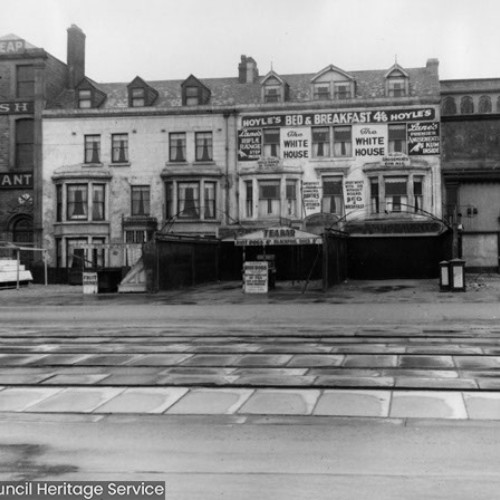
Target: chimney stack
(247,70)
(75,55)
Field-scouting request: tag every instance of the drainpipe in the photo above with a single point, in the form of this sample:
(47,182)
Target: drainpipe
(227,204)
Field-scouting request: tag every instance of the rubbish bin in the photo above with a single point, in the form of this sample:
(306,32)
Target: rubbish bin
(444,275)
(457,275)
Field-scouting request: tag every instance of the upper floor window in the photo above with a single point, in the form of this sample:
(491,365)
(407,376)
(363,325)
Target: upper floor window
(418,192)
(92,152)
(397,138)
(248,198)
(271,142)
(449,106)
(396,87)
(25,130)
(85,98)
(396,194)
(77,202)
(272,94)
(204,146)
(25,79)
(269,199)
(192,96)
(191,199)
(140,200)
(177,147)
(333,197)
(466,105)
(119,148)
(374,196)
(342,90)
(342,141)
(291,197)
(138,97)
(485,104)
(321,91)
(320,142)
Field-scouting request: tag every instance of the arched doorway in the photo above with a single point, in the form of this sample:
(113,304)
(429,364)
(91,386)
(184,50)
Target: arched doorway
(21,229)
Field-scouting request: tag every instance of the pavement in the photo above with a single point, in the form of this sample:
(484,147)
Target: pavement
(285,354)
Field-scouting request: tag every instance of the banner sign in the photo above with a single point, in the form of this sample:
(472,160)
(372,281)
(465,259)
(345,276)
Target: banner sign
(423,138)
(369,140)
(249,144)
(339,118)
(295,143)
(19,180)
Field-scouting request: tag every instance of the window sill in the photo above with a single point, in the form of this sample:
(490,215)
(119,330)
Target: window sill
(204,162)
(117,164)
(86,165)
(176,220)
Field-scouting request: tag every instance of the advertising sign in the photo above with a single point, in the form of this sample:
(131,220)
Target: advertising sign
(20,180)
(12,108)
(295,143)
(311,197)
(90,282)
(249,144)
(423,138)
(339,118)
(354,194)
(369,140)
(255,277)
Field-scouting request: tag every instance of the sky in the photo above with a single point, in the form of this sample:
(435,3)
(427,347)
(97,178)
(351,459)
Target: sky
(171,39)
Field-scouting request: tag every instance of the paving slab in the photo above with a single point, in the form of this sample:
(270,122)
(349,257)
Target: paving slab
(76,379)
(264,360)
(489,384)
(435,383)
(275,380)
(62,359)
(269,371)
(76,400)
(24,379)
(295,348)
(446,350)
(20,359)
(194,370)
(477,362)
(315,360)
(369,361)
(483,405)
(18,399)
(211,360)
(405,372)
(369,349)
(129,380)
(108,359)
(425,404)
(334,381)
(201,380)
(426,361)
(207,401)
(282,402)
(151,400)
(159,359)
(353,403)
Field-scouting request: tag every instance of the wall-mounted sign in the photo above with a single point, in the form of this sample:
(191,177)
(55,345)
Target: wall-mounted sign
(278,236)
(354,191)
(311,197)
(295,143)
(423,138)
(249,144)
(396,160)
(339,118)
(12,108)
(12,46)
(369,140)
(19,180)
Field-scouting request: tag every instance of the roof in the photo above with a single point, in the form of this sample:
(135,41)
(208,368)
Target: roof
(423,82)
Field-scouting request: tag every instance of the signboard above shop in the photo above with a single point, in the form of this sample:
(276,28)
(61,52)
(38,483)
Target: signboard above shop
(278,236)
(339,118)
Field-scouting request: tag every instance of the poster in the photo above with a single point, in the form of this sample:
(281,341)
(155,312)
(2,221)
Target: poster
(423,138)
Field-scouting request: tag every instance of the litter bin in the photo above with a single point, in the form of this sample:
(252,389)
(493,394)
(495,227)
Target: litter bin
(108,280)
(457,275)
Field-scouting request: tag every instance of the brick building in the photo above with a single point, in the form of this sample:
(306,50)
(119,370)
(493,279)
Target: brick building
(29,76)
(471,167)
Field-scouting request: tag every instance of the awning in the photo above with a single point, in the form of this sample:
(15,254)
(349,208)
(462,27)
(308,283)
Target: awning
(278,236)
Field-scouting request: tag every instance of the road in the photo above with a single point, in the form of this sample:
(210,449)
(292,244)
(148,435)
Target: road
(213,458)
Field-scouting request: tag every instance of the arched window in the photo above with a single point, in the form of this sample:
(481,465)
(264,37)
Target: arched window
(449,106)
(22,230)
(484,104)
(498,104)
(466,105)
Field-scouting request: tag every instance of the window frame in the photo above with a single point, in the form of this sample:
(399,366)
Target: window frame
(24,144)
(142,189)
(335,198)
(90,151)
(204,151)
(345,145)
(171,148)
(25,86)
(271,149)
(120,152)
(395,140)
(315,131)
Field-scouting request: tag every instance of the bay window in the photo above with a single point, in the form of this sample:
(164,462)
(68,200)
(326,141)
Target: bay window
(77,202)
(194,199)
(269,198)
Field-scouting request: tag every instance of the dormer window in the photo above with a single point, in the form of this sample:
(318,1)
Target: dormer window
(192,96)
(272,94)
(397,82)
(84,99)
(140,94)
(194,93)
(342,90)
(322,92)
(138,97)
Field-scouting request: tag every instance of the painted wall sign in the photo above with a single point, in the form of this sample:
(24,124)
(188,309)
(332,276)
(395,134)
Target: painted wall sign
(295,143)
(423,138)
(12,108)
(339,118)
(249,144)
(396,160)
(19,180)
(12,46)
(369,140)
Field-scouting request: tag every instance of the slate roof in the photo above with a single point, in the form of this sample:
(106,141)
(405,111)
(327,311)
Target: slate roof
(424,82)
